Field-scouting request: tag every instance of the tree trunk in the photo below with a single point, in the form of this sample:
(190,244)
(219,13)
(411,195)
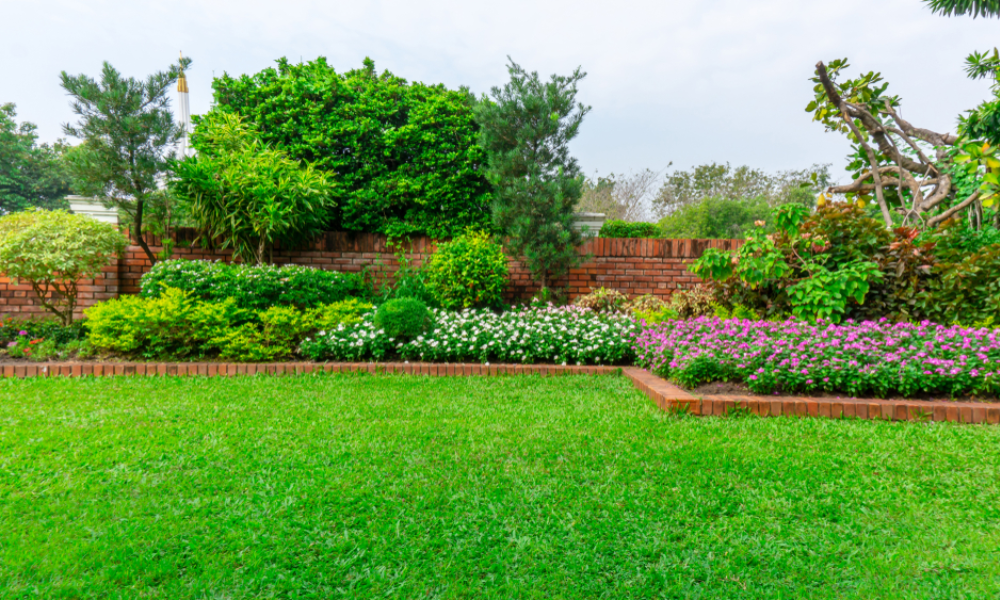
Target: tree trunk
(138,233)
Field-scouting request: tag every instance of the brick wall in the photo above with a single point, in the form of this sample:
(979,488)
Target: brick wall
(633,266)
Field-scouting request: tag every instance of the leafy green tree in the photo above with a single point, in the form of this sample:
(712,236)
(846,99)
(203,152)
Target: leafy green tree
(405,154)
(128,135)
(526,130)
(976,8)
(54,250)
(30,174)
(715,217)
(249,195)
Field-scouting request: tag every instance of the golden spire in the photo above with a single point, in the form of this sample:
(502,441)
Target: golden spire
(182,84)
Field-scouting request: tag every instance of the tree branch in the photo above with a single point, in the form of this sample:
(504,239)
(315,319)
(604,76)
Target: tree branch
(954,209)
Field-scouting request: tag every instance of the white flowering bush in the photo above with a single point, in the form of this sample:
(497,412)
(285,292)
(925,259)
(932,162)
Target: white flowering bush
(564,335)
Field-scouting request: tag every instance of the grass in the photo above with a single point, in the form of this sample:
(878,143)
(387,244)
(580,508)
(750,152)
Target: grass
(511,487)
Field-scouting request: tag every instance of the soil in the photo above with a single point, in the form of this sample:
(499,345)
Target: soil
(741,389)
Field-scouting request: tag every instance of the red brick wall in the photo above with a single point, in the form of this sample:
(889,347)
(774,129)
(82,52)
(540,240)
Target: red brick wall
(633,266)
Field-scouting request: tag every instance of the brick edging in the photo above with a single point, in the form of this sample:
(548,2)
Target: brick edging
(671,398)
(667,396)
(291,368)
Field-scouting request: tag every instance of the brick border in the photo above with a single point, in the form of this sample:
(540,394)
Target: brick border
(667,396)
(671,398)
(213,369)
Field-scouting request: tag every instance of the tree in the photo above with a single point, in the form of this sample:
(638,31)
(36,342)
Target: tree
(249,195)
(405,154)
(620,197)
(53,251)
(715,217)
(128,135)
(526,130)
(976,8)
(926,176)
(688,188)
(30,174)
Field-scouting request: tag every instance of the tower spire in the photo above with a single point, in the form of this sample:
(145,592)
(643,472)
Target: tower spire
(185,110)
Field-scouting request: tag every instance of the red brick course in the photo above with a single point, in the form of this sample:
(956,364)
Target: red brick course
(633,266)
(667,396)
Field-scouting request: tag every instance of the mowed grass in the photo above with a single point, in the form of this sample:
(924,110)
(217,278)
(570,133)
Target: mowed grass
(508,487)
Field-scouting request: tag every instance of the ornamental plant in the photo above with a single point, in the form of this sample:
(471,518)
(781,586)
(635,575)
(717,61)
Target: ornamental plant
(405,154)
(870,358)
(404,318)
(603,300)
(624,229)
(470,271)
(563,335)
(791,270)
(53,251)
(251,196)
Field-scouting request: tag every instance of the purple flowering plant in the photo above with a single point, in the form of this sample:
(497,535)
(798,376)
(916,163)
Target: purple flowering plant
(869,358)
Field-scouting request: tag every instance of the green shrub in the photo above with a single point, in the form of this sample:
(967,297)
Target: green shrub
(280,331)
(468,272)
(625,229)
(603,300)
(345,312)
(404,318)
(698,301)
(253,287)
(48,329)
(172,324)
(966,291)
(52,251)
(645,303)
(655,316)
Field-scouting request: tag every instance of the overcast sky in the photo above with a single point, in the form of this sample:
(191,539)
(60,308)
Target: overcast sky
(687,82)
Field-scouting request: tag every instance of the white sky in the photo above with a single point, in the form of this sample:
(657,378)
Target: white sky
(672,80)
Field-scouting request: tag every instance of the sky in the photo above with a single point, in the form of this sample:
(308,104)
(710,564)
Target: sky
(669,81)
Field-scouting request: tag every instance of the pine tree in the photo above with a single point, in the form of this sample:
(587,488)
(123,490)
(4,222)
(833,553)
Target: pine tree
(128,135)
(526,130)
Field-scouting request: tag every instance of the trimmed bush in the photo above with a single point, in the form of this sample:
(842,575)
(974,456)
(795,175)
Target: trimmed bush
(52,251)
(468,272)
(603,300)
(624,229)
(404,318)
(253,287)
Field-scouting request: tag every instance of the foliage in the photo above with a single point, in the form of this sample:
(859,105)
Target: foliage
(696,301)
(576,471)
(738,311)
(405,155)
(856,359)
(30,174)
(345,312)
(128,134)
(730,187)
(403,318)
(790,270)
(911,171)
(12,329)
(468,272)
(646,302)
(526,130)
(253,287)
(655,316)
(174,323)
(275,335)
(603,300)
(714,217)
(623,229)
(408,280)
(248,195)
(568,335)
(967,290)
(976,8)
(53,251)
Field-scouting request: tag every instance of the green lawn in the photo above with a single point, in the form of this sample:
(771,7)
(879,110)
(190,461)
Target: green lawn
(511,487)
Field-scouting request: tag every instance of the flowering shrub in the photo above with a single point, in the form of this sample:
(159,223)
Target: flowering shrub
(867,358)
(567,335)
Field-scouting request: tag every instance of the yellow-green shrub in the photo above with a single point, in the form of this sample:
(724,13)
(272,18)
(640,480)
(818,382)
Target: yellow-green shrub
(345,312)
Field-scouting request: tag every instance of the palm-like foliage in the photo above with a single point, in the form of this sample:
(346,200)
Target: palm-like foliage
(976,8)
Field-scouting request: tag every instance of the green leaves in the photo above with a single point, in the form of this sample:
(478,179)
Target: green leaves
(468,272)
(248,195)
(405,155)
(52,250)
